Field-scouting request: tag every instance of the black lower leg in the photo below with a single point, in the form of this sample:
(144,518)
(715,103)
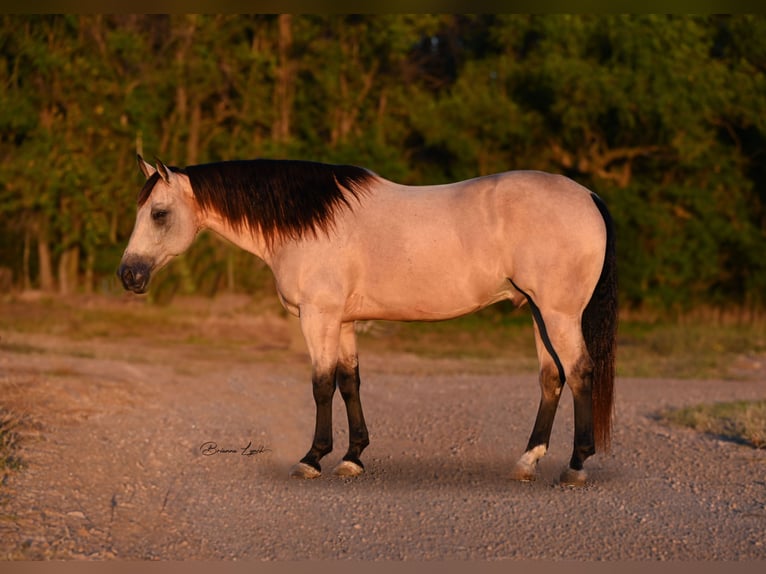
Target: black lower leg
(546,412)
(324,389)
(584,444)
(358,439)
(541,433)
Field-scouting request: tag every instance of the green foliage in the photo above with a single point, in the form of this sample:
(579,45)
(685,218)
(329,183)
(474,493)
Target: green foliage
(659,114)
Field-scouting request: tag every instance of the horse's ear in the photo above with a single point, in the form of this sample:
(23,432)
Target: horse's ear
(165,172)
(146,168)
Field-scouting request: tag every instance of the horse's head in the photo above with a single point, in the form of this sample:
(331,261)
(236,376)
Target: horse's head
(166,224)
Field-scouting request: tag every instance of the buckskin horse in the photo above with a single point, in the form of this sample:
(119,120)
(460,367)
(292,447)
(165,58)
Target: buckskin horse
(344,245)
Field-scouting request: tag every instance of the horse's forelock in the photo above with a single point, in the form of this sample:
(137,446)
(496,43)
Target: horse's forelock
(151,182)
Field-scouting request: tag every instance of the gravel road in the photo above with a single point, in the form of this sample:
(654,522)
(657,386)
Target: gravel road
(118,463)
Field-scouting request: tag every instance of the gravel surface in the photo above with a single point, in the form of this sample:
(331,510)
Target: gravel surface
(116,467)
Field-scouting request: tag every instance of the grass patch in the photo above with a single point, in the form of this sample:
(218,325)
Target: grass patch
(9,444)
(700,348)
(685,350)
(648,349)
(85,319)
(743,422)
(20,348)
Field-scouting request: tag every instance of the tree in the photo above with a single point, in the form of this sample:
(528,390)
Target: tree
(661,115)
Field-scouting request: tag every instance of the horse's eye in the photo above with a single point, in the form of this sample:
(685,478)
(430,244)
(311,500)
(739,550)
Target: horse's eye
(159,215)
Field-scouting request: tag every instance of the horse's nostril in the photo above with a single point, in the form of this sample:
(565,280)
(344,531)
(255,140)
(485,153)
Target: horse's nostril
(126,274)
(134,275)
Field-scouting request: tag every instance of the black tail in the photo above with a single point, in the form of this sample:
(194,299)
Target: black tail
(599,326)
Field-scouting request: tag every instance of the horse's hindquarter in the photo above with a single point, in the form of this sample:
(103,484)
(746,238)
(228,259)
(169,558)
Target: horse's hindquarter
(437,252)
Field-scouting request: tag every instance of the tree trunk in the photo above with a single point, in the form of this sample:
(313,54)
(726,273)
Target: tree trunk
(90,261)
(44,259)
(230,284)
(69,264)
(347,112)
(173,126)
(382,109)
(192,144)
(283,90)
(26,276)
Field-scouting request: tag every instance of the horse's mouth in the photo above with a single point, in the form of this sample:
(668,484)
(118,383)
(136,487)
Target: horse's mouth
(139,290)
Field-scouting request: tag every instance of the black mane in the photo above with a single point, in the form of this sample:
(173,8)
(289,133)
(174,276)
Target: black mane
(278,198)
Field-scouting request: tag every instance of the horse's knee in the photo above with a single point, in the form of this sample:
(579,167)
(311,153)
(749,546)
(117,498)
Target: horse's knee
(323,387)
(348,381)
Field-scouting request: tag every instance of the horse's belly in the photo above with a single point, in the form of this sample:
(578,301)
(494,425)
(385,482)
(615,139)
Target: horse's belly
(423,301)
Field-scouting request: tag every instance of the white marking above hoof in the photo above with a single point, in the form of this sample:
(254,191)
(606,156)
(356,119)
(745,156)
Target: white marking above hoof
(303,470)
(571,477)
(347,468)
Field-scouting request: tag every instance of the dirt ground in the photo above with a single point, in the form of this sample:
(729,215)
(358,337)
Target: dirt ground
(139,449)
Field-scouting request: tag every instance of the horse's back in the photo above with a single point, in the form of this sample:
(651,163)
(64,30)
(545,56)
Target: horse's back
(435,252)
(511,213)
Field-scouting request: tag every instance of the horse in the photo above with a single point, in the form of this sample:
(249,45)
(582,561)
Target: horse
(345,244)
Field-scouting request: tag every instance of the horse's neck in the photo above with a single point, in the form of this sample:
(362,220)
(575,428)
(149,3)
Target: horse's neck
(251,242)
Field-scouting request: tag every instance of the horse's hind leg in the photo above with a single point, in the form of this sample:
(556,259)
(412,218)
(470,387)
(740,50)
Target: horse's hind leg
(348,381)
(550,392)
(580,382)
(563,358)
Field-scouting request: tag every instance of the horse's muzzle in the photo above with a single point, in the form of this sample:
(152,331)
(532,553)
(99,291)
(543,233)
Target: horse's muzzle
(135,275)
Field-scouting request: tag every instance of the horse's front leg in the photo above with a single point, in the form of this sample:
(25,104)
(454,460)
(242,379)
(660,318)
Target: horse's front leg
(347,376)
(322,334)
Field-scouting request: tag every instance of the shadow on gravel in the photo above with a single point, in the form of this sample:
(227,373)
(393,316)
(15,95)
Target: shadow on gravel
(434,474)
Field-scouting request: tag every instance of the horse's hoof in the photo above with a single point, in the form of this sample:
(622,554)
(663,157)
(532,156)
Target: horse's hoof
(348,468)
(525,468)
(571,477)
(523,472)
(303,470)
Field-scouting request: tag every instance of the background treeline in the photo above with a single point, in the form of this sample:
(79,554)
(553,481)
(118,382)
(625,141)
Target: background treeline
(664,116)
